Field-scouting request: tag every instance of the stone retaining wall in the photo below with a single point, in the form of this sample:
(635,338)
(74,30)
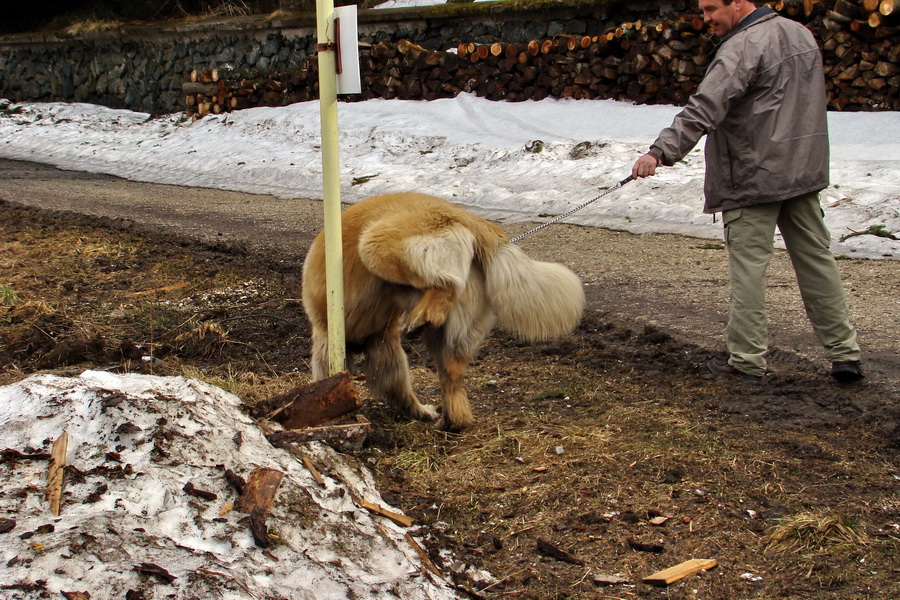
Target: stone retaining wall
(143,67)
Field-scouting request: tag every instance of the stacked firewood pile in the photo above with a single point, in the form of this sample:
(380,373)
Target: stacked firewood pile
(861,46)
(223,90)
(658,63)
(854,13)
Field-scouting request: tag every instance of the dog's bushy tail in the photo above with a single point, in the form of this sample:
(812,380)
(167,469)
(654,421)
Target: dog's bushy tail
(534,300)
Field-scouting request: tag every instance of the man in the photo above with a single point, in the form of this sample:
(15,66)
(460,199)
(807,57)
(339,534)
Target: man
(762,106)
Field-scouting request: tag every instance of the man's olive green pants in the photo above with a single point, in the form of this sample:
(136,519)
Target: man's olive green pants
(749,235)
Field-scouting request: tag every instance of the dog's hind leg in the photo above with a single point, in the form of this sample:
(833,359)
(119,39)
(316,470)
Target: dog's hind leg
(453,347)
(436,263)
(456,412)
(319,357)
(387,370)
(432,309)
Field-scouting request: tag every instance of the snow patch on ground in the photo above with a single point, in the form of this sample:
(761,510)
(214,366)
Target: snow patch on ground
(134,442)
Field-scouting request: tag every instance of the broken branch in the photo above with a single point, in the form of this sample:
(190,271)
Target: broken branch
(397,518)
(548,549)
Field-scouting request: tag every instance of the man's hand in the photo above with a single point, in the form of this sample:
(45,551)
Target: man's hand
(645,166)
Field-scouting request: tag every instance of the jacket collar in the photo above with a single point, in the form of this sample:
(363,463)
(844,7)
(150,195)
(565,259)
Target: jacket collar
(749,20)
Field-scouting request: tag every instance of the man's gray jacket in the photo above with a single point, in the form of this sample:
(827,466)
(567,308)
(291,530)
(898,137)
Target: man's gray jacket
(762,106)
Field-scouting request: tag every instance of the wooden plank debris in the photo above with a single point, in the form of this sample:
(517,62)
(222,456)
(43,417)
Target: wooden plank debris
(259,529)
(340,437)
(680,571)
(191,490)
(257,499)
(236,481)
(315,403)
(156,571)
(10,454)
(56,471)
(259,493)
(604,579)
(644,546)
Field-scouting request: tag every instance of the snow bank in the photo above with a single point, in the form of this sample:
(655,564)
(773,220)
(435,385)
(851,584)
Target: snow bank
(134,442)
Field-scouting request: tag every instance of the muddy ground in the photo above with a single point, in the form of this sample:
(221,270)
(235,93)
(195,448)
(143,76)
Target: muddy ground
(594,461)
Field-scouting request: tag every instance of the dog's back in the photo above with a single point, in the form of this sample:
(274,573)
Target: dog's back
(394,244)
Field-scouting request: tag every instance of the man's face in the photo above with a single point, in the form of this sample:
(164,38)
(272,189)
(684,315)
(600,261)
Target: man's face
(723,18)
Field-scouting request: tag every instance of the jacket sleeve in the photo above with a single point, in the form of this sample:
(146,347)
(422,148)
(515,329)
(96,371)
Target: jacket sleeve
(727,80)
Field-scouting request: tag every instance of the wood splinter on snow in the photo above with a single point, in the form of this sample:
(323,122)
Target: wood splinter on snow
(397,518)
(312,470)
(299,455)
(56,471)
(423,555)
(678,572)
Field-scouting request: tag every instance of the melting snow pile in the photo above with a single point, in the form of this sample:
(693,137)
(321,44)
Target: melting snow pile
(128,527)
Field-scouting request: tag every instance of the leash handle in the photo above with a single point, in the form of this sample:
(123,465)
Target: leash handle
(559,218)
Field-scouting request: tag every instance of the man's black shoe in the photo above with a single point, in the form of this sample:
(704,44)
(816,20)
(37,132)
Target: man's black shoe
(847,371)
(717,366)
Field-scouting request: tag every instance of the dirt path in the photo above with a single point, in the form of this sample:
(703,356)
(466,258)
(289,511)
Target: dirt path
(670,282)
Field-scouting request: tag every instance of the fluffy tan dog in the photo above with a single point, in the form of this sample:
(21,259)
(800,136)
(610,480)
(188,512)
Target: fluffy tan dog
(412,260)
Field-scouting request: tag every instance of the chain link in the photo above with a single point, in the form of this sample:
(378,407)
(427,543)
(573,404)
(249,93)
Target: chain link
(559,218)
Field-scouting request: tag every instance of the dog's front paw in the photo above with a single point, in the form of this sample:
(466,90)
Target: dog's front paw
(424,412)
(445,424)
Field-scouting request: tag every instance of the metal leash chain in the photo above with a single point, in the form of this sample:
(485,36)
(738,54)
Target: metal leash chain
(559,218)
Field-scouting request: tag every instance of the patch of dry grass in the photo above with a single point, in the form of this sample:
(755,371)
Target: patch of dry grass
(251,387)
(814,532)
(92,26)
(225,8)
